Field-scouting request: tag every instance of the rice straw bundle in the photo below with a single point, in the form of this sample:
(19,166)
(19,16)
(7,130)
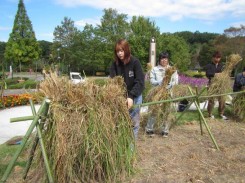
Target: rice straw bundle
(238,105)
(88,134)
(158,93)
(221,83)
(148,67)
(180,90)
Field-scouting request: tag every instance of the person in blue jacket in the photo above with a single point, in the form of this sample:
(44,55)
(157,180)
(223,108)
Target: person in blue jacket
(157,75)
(130,69)
(239,83)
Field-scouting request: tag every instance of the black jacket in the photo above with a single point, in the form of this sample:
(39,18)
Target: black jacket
(211,69)
(133,76)
(239,82)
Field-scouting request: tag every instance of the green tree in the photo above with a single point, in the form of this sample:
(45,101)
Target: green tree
(142,30)
(113,27)
(91,59)
(177,48)
(206,53)
(2,49)
(22,46)
(65,36)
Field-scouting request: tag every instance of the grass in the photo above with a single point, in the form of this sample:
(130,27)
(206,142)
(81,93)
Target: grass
(6,153)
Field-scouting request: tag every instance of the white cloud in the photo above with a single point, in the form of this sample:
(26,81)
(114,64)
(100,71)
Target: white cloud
(82,23)
(174,9)
(238,24)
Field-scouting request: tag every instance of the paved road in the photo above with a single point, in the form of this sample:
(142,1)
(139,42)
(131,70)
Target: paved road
(35,76)
(9,130)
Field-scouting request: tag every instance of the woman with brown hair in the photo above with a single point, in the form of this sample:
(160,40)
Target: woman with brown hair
(130,69)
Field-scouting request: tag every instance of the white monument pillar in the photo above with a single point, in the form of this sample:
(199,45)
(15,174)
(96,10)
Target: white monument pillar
(153,52)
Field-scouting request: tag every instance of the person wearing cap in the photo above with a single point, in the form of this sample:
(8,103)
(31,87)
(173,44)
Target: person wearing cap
(239,83)
(213,68)
(157,74)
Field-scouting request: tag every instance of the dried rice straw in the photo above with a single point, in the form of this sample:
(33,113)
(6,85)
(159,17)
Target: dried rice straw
(221,82)
(161,111)
(88,134)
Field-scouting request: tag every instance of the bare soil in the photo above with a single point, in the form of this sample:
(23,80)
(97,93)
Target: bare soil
(187,156)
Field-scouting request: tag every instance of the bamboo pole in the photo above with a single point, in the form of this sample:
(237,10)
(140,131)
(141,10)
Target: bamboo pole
(36,140)
(223,94)
(24,118)
(24,141)
(188,106)
(186,97)
(163,101)
(199,116)
(204,121)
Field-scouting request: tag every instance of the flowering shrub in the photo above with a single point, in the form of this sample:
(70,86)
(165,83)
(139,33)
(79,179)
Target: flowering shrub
(194,82)
(16,100)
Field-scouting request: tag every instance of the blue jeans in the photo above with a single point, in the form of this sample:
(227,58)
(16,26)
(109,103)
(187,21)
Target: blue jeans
(135,116)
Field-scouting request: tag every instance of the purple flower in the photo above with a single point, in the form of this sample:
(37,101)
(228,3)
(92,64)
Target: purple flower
(194,82)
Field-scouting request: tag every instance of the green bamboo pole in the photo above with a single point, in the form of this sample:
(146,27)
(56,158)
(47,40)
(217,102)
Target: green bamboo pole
(163,101)
(24,118)
(24,141)
(34,145)
(199,116)
(188,106)
(223,94)
(186,97)
(204,121)
(37,139)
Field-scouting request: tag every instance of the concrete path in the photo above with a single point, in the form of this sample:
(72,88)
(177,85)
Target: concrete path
(9,130)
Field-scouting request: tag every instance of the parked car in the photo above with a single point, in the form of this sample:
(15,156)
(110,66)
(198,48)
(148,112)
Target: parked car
(76,77)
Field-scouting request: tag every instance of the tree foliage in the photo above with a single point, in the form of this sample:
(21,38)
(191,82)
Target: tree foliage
(65,36)
(22,46)
(142,30)
(235,31)
(177,48)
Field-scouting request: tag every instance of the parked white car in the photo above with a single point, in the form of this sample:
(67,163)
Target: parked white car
(76,77)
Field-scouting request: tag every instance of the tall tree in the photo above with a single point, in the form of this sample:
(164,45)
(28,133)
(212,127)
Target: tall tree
(2,49)
(22,46)
(142,30)
(177,48)
(113,26)
(65,36)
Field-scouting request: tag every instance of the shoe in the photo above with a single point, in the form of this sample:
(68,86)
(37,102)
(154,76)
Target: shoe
(211,116)
(149,132)
(164,134)
(223,117)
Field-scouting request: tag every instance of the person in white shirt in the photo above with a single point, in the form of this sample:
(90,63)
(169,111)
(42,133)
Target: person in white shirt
(157,74)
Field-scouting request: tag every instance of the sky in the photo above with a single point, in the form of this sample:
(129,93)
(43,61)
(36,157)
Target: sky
(213,16)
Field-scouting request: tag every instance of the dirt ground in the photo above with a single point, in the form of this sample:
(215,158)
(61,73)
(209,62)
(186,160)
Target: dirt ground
(188,156)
